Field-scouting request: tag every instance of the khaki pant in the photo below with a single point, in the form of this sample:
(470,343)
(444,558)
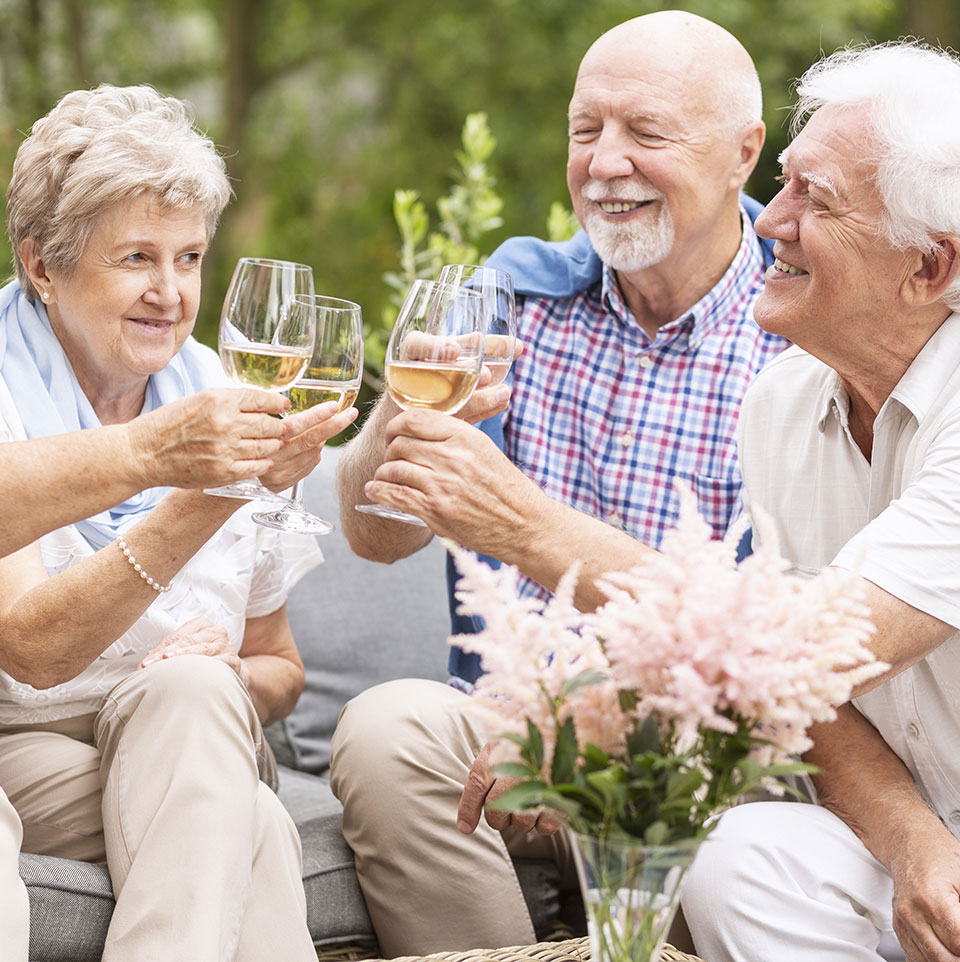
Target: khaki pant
(163,784)
(399,760)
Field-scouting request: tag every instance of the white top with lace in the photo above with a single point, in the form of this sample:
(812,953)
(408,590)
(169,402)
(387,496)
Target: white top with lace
(243,571)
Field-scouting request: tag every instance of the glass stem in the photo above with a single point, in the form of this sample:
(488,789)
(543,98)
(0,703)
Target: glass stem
(296,496)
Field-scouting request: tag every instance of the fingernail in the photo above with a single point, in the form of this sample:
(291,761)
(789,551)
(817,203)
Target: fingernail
(464,827)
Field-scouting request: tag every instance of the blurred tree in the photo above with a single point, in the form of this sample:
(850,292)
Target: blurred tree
(323,110)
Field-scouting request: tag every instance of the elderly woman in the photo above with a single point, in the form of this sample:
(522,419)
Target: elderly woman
(142,649)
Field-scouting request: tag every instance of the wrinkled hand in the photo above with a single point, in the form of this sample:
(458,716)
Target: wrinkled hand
(304,436)
(199,636)
(453,477)
(926,899)
(484,786)
(208,439)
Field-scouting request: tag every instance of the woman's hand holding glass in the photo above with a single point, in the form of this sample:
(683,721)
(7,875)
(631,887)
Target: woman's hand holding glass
(261,343)
(333,377)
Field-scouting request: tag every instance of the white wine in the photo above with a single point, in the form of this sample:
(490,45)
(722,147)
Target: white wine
(271,368)
(309,392)
(498,367)
(430,384)
(320,384)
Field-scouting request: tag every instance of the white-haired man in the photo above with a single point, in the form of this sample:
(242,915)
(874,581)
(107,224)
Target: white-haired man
(851,441)
(630,377)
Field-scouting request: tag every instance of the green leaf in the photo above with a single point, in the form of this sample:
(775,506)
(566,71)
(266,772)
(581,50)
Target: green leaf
(683,784)
(646,738)
(516,770)
(657,834)
(589,676)
(564,754)
(535,747)
(520,797)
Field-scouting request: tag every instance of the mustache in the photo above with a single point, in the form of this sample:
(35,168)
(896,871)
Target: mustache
(620,188)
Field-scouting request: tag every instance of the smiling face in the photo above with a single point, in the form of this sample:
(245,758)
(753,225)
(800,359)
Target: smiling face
(836,279)
(131,301)
(649,169)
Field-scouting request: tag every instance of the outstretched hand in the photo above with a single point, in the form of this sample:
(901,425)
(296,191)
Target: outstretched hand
(304,436)
(484,786)
(208,439)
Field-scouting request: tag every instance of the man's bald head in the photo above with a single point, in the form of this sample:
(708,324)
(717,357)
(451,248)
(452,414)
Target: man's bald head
(704,60)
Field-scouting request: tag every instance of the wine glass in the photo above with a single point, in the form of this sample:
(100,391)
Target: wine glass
(434,357)
(499,312)
(333,374)
(261,343)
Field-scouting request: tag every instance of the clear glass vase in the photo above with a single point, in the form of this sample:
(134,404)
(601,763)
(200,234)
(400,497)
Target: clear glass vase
(631,893)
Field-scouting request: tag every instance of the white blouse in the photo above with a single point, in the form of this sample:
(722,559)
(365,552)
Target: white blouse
(244,571)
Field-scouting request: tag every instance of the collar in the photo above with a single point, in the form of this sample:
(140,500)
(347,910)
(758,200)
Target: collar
(919,390)
(714,309)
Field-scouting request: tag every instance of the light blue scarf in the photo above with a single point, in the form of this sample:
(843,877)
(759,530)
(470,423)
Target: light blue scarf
(49,399)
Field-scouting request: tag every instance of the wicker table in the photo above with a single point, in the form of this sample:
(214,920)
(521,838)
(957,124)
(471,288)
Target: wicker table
(572,950)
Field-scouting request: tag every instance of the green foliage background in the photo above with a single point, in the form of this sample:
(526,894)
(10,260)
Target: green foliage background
(325,108)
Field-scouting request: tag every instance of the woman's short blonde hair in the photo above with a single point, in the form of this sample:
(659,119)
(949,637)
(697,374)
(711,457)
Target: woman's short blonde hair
(99,148)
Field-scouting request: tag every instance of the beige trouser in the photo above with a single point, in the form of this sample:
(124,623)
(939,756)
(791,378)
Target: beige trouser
(163,784)
(14,907)
(399,760)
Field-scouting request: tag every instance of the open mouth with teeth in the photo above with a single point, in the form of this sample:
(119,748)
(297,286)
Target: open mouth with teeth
(621,206)
(786,268)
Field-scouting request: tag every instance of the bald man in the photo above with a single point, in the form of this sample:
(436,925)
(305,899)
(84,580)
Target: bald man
(638,347)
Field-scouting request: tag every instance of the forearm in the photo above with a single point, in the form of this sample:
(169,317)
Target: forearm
(50,482)
(376,539)
(546,537)
(55,629)
(865,783)
(274,684)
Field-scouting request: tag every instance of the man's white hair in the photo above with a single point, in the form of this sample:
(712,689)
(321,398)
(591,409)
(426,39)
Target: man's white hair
(911,95)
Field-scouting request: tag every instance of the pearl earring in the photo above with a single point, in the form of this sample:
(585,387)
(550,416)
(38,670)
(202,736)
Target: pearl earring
(46,295)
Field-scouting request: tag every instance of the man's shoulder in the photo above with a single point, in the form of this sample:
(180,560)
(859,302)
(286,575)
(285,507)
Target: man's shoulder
(792,376)
(547,269)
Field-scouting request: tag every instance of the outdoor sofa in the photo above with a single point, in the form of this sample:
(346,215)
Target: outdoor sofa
(357,623)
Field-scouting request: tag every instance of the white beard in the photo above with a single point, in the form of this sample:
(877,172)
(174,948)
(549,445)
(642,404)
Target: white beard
(632,245)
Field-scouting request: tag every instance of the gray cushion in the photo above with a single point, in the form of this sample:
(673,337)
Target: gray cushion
(357,623)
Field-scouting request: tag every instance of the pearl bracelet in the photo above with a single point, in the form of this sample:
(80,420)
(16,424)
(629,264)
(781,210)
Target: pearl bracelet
(128,554)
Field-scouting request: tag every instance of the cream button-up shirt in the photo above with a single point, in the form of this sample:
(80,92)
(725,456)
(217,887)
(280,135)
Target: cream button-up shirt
(894,519)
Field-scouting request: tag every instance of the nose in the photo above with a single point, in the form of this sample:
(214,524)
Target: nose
(611,155)
(779,220)
(163,290)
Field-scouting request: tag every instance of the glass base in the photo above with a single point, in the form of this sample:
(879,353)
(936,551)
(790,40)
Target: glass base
(251,490)
(293,519)
(394,514)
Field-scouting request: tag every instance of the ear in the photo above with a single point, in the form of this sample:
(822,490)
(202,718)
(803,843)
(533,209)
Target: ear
(933,272)
(36,269)
(751,143)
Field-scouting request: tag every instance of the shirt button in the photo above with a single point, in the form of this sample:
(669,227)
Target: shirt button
(626,439)
(612,518)
(955,818)
(913,730)
(646,361)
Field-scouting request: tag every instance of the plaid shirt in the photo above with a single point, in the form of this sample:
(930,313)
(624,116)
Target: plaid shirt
(604,419)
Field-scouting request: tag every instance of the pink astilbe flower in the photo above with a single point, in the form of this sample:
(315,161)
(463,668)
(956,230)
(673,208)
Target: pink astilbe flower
(687,637)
